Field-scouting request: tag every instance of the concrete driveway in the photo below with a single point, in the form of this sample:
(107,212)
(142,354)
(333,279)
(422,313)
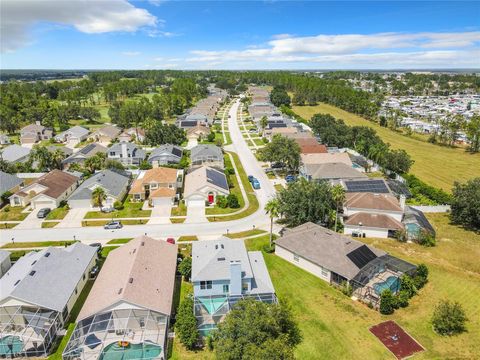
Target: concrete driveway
(74,218)
(196,214)
(160,214)
(191,143)
(31,221)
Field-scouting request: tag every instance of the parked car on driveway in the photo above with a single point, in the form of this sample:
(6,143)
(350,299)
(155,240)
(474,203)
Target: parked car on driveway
(94,272)
(42,213)
(290,178)
(107,209)
(251,178)
(256,184)
(171,240)
(113,225)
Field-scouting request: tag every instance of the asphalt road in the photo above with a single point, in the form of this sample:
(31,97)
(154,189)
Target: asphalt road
(91,234)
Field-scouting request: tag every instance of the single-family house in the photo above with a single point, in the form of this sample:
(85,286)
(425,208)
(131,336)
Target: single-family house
(416,222)
(203,185)
(15,154)
(329,172)
(114,183)
(48,191)
(72,136)
(199,131)
(368,214)
(127,313)
(37,295)
(5,262)
(325,158)
(105,135)
(84,153)
(206,154)
(165,155)
(339,259)
(159,185)
(127,153)
(131,134)
(9,183)
(33,133)
(223,272)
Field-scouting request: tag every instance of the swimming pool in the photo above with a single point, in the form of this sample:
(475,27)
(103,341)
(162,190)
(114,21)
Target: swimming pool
(392,283)
(141,351)
(10,345)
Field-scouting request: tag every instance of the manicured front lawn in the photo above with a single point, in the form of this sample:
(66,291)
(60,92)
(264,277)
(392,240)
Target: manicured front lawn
(436,165)
(9,213)
(49,224)
(103,222)
(130,210)
(33,244)
(336,327)
(119,241)
(180,210)
(8,225)
(57,214)
(246,233)
(177,220)
(278,187)
(187,238)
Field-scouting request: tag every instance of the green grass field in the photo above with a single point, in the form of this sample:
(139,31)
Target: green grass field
(436,165)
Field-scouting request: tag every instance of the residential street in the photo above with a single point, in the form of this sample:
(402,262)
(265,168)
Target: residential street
(91,234)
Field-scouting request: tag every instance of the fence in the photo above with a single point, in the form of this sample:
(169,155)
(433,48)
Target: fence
(432,208)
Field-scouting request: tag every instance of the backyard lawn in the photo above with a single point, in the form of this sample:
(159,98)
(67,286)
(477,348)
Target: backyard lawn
(130,210)
(334,326)
(436,165)
(9,213)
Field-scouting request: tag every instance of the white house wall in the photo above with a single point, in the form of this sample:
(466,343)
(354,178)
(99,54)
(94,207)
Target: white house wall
(303,264)
(369,232)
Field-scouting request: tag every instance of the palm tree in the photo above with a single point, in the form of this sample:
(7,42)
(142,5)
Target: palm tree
(271,208)
(338,194)
(98,195)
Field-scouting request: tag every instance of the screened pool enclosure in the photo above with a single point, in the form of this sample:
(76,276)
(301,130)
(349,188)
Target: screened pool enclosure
(123,334)
(27,331)
(211,310)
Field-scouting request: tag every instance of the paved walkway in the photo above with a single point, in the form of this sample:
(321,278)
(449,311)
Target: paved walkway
(196,215)
(73,218)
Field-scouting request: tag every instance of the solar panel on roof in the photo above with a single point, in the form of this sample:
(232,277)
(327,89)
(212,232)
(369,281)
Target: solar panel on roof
(361,256)
(373,186)
(399,188)
(217,178)
(87,149)
(177,152)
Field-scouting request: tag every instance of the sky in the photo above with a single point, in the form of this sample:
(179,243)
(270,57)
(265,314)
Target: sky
(158,34)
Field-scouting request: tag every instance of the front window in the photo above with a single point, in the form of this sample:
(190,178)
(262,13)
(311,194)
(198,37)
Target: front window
(153,186)
(225,289)
(112,153)
(205,285)
(244,286)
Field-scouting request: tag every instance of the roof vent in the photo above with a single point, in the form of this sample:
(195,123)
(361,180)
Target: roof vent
(222,246)
(32,273)
(130,280)
(16,283)
(47,254)
(120,291)
(33,263)
(216,247)
(221,259)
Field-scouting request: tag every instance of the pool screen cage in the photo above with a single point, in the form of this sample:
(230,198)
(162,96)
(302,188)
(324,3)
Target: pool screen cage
(377,269)
(211,310)
(124,327)
(27,331)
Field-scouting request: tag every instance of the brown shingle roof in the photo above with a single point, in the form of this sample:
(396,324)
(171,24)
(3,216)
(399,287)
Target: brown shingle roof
(380,221)
(141,272)
(163,192)
(313,149)
(322,158)
(156,175)
(367,200)
(56,182)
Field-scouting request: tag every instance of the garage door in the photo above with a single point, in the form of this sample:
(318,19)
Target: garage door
(161,201)
(44,204)
(79,204)
(196,203)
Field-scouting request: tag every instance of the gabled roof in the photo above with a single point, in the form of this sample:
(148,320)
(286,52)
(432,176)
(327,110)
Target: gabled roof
(379,221)
(86,152)
(32,128)
(332,171)
(141,272)
(326,158)
(367,200)
(109,130)
(204,176)
(169,149)
(325,248)
(47,278)
(77,131)
(162,175)
(113,182)
(206,150)
(132,149)
(56,182)
(14,152)
(8,182)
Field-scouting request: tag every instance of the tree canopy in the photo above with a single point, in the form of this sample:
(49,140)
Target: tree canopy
(283,150)
(466,203)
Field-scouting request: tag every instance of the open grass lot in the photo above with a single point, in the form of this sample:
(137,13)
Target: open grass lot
(436,165)
(335,327)
(130,210)
(9,213)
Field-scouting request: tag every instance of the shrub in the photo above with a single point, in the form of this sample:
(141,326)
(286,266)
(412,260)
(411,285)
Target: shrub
(7,209)
(118,205)
(387,302)
(407,285)
(401,235)
(265,140)
(346,288)
(185,268)
(402,298)
(5,196)
(211,137)
(232,201)
(421,276)
(449,318)
(145,165)
(268,249)
(425,238)
(209,342)
(222,201)
(186,323)
(229,170)
(63,203)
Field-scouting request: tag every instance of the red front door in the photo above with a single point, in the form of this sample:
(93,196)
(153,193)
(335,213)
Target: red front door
(210,198)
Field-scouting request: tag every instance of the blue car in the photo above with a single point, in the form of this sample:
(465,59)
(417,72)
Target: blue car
(255,184)
(251,178)
(290,178)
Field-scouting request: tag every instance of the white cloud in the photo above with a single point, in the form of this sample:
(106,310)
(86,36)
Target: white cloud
(131,53)
(88,16)
(385,50)
(160,33)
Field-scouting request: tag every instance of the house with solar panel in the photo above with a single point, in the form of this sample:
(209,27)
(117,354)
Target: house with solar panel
(37,296)
(83,154)
(371,210)
(339,259)
(127,313)
(166,154)
(203,185)
(223,273)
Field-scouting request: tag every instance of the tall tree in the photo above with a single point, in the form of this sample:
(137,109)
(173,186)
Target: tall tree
(271,208)
(338,194)
(98,196)
(473,133)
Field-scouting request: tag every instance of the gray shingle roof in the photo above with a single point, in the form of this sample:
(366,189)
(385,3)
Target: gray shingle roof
(14,152)
(332,171)
(261,278)
(3,255)
(206,150)
(168,149)
(77,131)
(324,247)
(47,281)
(8,181)
(132,149)
(111,181)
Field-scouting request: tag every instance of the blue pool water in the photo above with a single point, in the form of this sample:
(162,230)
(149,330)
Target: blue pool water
(143,351)
(392,283)
(10,345)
